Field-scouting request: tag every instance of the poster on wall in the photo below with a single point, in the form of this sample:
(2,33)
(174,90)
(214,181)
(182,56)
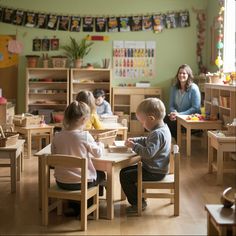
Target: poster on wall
(134,59)
(100,24)
(64,23)
(113,24)
(184,19)
(124,24)
(75,24)
(42,21)
(1,13)
(158,23)
(147,23)
(88,24)
(30,19)
(8,15)
(52,22)
(136,23)
(37,44)
(19,17)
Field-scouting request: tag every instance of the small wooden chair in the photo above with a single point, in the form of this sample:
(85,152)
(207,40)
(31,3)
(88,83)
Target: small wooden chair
(50,190)
(170,182)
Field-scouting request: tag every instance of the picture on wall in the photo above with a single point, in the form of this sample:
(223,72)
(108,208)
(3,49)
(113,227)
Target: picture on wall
(113,24)
(184,19)
(1,13)
(8,15)
(88,24)
(124,24)
(45,44)
(54,44)
(136,23)
(42,21)
(172,20)
(30,19)
(37,44)
(134,59)
(147,23)
(64,23)
(19,17)
(52,22)
(100,24)
(158,23)
(75,24)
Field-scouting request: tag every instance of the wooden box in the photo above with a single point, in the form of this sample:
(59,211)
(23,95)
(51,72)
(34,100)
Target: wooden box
(106,136)
(27,120)
(10,139)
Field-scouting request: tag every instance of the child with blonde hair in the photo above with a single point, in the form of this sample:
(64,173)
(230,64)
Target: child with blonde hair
(73,140)
(154,150)
(88,98)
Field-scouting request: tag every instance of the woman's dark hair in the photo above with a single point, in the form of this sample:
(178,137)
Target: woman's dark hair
(74,112)
(189,81)
(98,93)
(88,98)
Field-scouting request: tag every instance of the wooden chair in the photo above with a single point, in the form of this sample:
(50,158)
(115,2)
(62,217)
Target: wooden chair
(50,190)
(170,182)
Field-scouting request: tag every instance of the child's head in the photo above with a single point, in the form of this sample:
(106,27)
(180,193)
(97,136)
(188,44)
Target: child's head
(76,115)
(151,112)
(99,96)
(88,98)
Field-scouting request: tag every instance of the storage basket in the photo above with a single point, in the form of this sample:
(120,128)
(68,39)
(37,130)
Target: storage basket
(109,118)
(106,136)
(10,139)
(59,62)
(232,129)
(27,120)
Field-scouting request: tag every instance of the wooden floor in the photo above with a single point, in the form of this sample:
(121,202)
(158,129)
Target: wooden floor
(19,213)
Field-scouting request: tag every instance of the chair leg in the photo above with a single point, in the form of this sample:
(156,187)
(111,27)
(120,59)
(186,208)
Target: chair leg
(176,202)
(83,215)
(45,210)
(97,204)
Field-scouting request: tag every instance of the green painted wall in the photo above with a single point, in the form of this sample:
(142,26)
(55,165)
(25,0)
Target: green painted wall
(174,46)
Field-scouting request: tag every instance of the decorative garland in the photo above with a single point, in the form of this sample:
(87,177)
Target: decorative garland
(51,21)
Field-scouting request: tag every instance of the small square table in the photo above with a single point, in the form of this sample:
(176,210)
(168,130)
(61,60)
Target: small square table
(193,124)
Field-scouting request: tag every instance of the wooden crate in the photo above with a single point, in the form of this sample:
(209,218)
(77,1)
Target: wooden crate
(106,136)
(27,120)
(10,139)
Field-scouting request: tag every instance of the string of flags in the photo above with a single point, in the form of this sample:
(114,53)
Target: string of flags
(51,21)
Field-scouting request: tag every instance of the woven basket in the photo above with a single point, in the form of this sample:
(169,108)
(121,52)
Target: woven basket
(59,62)
(24,121)
(10,139)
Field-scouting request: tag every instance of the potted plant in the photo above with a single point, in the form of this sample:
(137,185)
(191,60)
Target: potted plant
(77,50)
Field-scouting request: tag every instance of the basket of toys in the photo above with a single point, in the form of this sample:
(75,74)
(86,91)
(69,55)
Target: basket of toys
(59,61)
(27,120)
(8,138)
(106,136)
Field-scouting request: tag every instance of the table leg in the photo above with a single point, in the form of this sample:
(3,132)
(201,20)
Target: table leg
(40,182)
(210,155)
(188,142)
(22,158)
(110,194)
(29,143)
(13,172)
(18,170)
(219,167)
(179,134)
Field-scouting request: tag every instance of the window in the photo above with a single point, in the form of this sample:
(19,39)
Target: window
(229,51)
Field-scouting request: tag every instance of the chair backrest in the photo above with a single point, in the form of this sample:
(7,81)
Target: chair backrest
(66,161)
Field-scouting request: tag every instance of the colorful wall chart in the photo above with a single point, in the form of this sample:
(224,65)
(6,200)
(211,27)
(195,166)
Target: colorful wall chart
(134,59)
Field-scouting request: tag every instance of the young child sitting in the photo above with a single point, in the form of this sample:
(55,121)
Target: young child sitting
(88,98)
(73,140)
(103,107)
(154,150)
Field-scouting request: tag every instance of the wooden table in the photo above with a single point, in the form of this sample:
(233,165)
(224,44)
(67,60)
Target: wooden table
(15,154)
(220,220)
(192,124)
(222,142)
(110,163)
(28,131)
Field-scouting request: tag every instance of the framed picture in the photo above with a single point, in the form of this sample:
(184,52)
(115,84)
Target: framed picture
(64,23)
(37,43)
(42,21)
(113,24)
(88,24)
(45,44)
(52,22)
(30,19)
(75,24)
(54,44)
(100,24)
(19,17)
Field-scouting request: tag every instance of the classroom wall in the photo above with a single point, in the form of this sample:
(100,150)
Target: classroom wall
(174,46)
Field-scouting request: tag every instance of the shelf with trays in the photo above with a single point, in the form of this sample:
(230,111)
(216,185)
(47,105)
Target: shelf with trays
(47,90)
(125,101)
(220,101)
(90,79)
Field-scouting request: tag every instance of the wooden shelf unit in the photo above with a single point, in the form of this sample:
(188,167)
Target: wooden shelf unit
(126,100)
(220,101)
(90,79)
(7,112)
(47,89)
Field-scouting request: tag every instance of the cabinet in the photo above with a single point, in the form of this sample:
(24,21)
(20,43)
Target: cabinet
(7,111)
(125,101)
(220,101)
(90,79)
(47,90)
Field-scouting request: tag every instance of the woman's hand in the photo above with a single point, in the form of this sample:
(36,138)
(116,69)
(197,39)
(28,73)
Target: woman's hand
(129,143)
(173,115)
